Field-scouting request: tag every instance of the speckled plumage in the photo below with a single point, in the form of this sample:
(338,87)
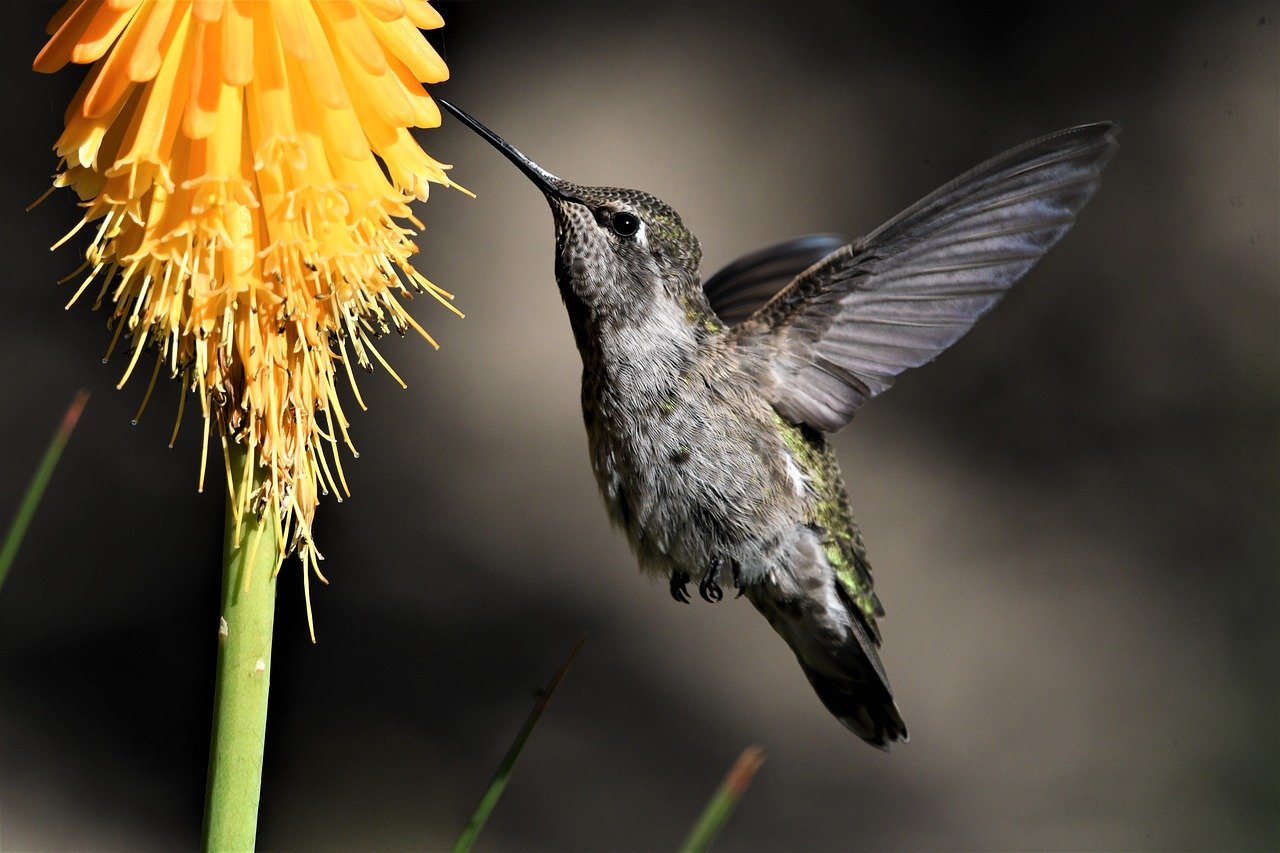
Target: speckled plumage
(706,435)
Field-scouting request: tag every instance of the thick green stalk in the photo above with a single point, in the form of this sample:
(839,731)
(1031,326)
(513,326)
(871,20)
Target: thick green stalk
(249,561)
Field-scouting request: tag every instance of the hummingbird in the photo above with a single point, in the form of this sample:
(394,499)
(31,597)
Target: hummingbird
(707,403)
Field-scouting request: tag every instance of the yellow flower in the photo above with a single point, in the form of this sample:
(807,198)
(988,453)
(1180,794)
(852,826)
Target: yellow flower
(247,169)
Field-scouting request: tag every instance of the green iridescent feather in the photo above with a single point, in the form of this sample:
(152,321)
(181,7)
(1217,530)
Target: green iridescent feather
(832,515)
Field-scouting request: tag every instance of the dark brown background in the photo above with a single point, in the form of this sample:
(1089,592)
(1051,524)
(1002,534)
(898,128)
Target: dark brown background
(1073,515)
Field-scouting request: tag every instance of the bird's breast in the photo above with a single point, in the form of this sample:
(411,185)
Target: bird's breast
(691,467)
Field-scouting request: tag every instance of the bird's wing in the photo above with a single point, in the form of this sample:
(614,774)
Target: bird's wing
(842,331)
(738,290)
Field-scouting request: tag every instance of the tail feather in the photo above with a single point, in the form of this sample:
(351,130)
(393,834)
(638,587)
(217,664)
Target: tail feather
(867,709)
(839,658)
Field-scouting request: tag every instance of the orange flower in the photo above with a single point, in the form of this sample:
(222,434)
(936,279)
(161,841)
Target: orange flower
(247,169)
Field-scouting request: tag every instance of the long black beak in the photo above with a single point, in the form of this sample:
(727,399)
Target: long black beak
(544,180)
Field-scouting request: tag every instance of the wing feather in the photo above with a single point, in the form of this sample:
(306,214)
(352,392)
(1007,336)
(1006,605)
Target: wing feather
(738,290)
(846,327)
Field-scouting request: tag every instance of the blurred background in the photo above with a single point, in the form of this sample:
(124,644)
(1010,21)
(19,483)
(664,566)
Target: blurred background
(1072,515)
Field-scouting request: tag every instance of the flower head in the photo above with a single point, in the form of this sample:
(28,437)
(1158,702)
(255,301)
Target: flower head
(247,167)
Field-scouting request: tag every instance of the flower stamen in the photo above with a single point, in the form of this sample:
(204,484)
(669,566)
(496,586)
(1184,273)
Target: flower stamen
(252,168)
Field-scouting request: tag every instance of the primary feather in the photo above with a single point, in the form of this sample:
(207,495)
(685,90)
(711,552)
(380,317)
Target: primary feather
(843,330)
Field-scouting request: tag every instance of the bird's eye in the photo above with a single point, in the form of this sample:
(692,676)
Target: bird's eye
(624,224)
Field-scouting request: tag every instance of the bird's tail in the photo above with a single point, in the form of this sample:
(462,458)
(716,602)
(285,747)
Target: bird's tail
(839,658)
(867,709)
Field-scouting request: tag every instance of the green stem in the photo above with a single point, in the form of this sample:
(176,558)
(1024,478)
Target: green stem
(35,491)
(244,672)
(723,801)
(499,783)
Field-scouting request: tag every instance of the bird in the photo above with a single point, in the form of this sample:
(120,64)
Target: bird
(707,404)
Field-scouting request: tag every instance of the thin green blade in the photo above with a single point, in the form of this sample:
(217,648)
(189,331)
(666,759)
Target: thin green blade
(27,509)
(724,800)
(499,783)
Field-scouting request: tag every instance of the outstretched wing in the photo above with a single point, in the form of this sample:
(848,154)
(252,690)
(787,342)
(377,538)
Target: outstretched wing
(737,291)
(841,332)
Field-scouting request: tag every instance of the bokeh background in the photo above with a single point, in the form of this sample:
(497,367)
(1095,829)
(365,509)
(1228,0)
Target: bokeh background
(1073,515)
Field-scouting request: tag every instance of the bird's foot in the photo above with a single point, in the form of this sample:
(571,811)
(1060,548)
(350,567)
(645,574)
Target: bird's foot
(737,580)
(679,590)
(709,586)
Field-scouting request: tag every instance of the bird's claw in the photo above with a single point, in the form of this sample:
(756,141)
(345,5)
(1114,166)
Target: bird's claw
(709,586)
(679,590)
(737,580)
(710,590)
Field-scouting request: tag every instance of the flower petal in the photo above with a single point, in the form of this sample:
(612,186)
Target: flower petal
(247,167)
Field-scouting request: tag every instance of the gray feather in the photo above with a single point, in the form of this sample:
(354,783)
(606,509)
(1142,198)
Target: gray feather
(742,287)
(845,328)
